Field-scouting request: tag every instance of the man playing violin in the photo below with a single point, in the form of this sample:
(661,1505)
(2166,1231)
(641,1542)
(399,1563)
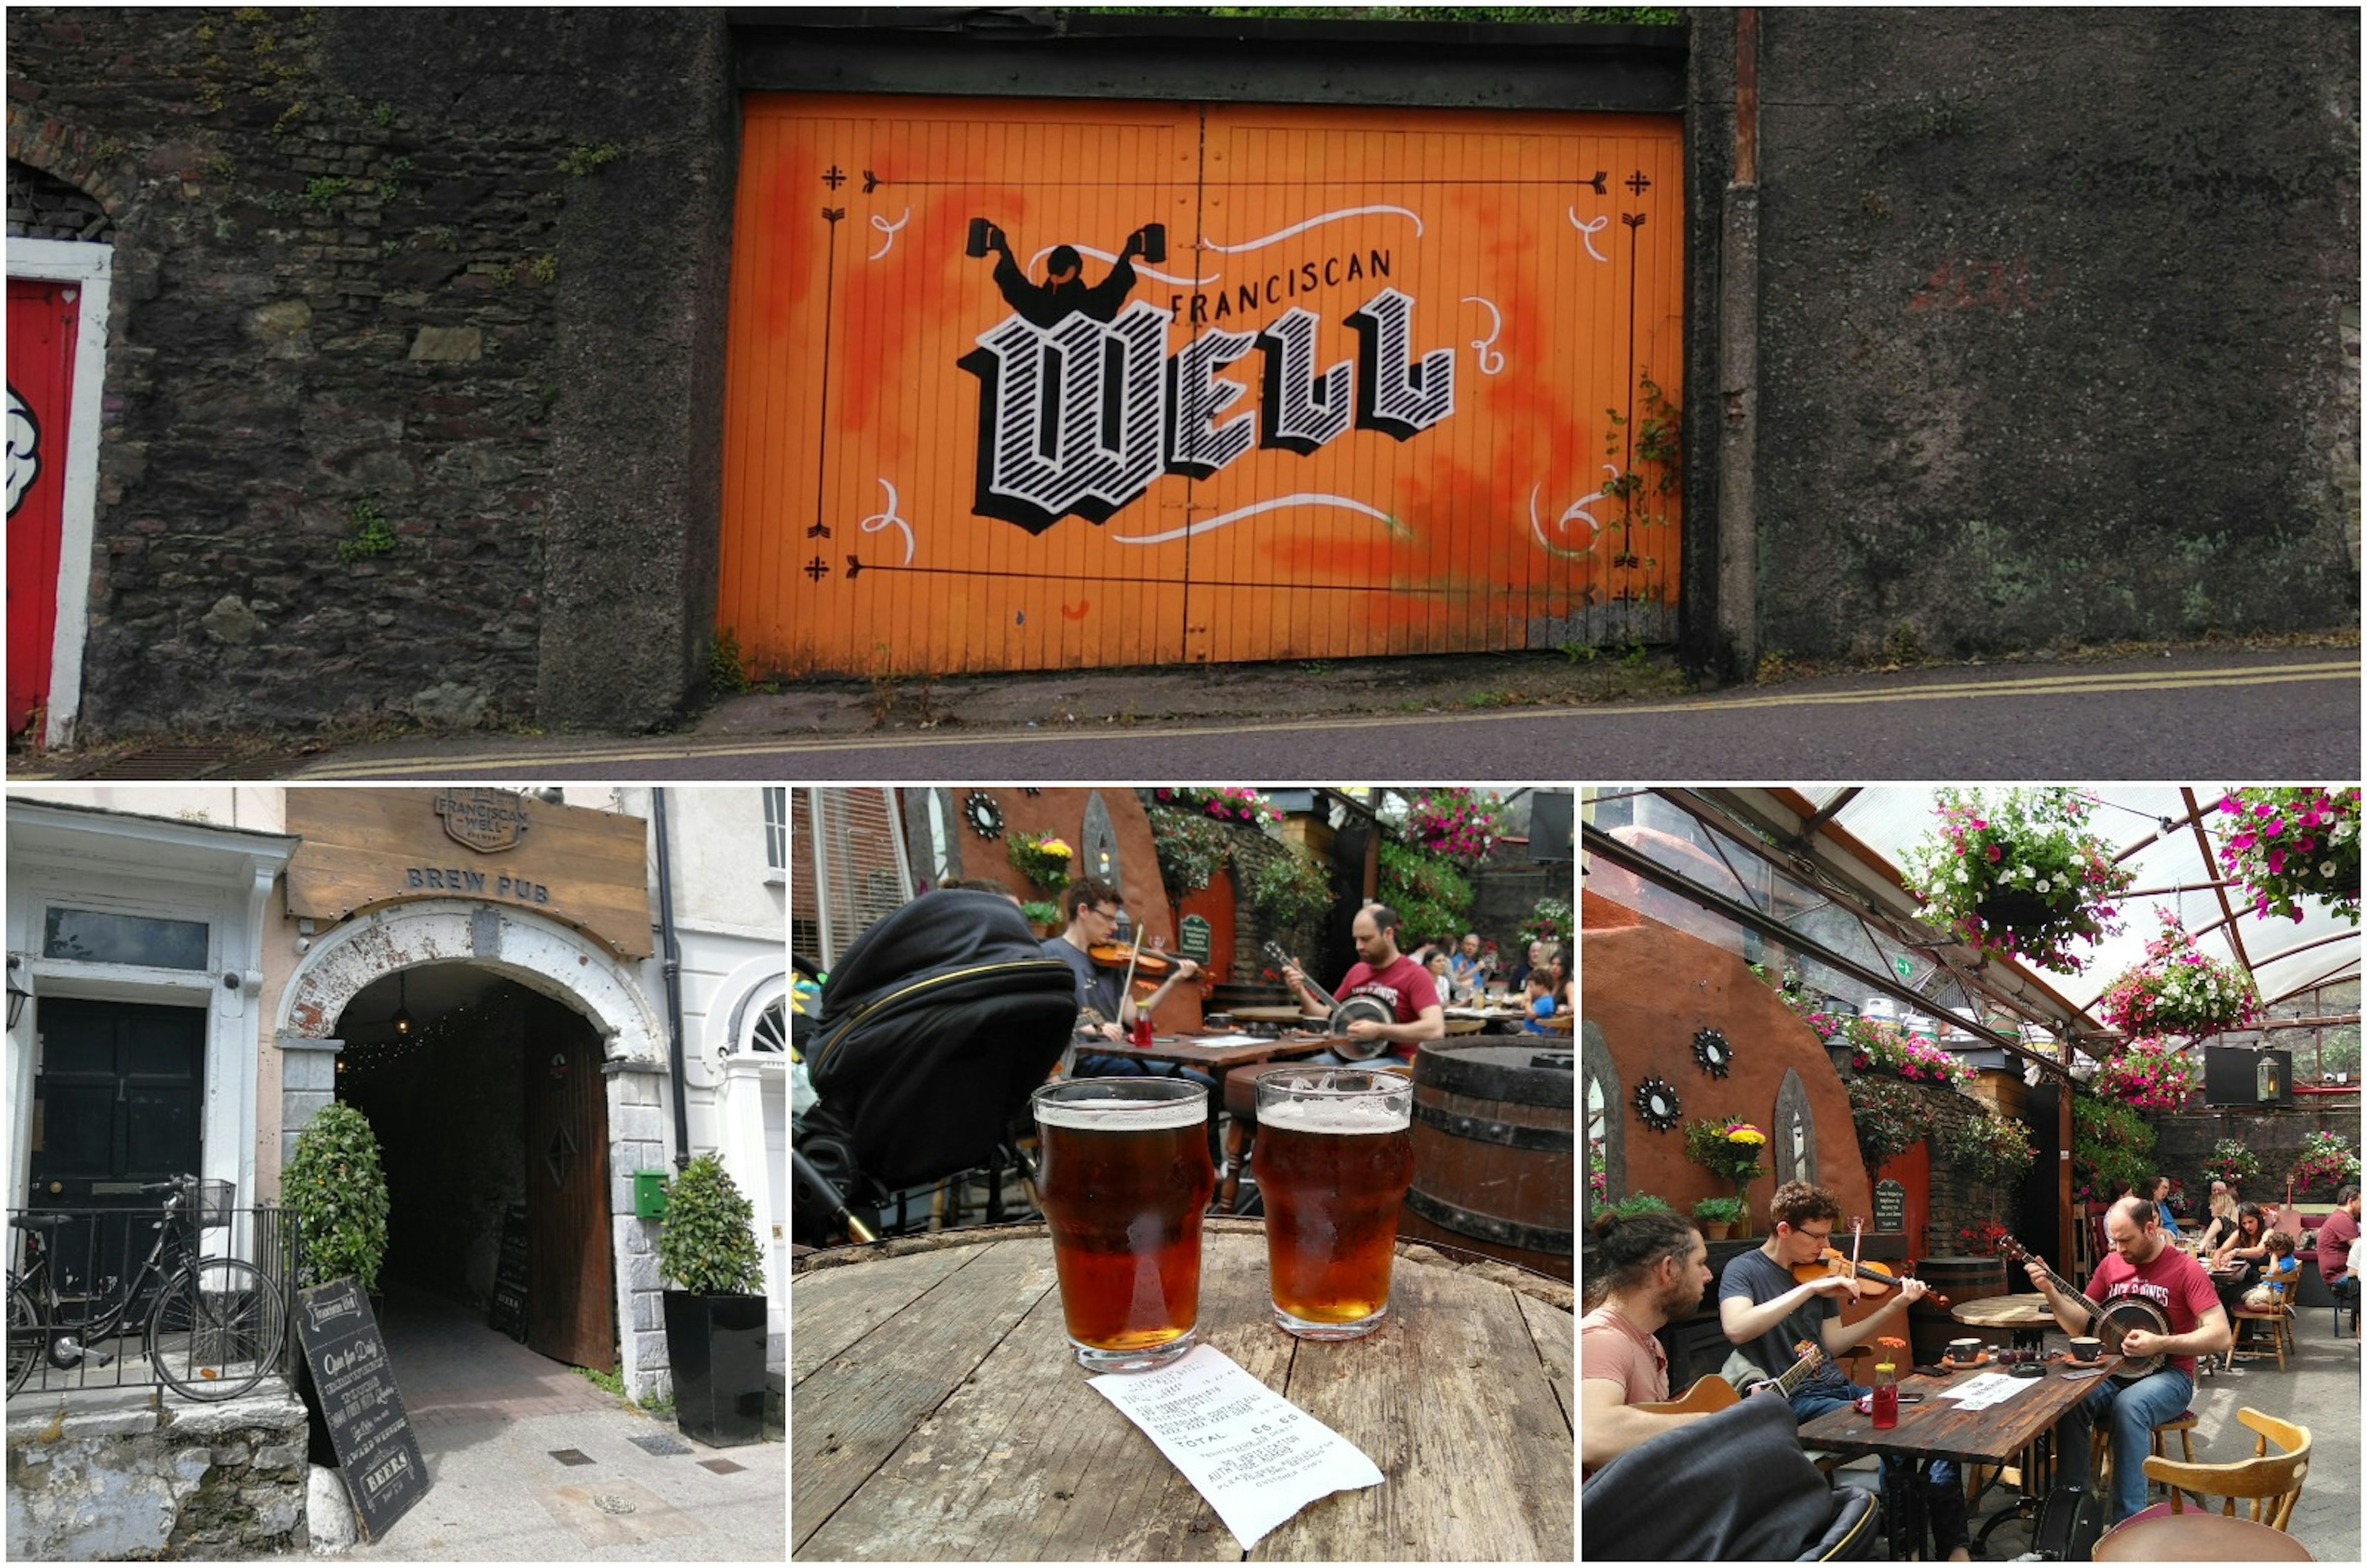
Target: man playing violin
(1766,1311)
(2142,1265)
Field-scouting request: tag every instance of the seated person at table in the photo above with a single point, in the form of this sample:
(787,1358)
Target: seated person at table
(1382,972)
(1463,966)
(2279,1272)
(1538,999)
(1655,1268)
(2144,1265)
(1763,1309)
(2157,1190)
(2335,1234)
(2244,1250)
(1442,975)
(1093,907)
(2223,1217)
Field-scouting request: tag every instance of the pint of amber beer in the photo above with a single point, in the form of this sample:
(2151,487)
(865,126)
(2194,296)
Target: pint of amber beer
(1126,1177)
(1333,1159)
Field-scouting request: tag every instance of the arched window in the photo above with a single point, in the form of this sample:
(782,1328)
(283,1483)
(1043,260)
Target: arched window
(769,1031)
(1795,1133)
(1605,1148)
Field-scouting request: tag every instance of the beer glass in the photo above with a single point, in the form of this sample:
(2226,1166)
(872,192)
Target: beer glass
(1124,1179)
(1333,1159)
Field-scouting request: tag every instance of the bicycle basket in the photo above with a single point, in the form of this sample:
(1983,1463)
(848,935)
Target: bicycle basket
(210,1203)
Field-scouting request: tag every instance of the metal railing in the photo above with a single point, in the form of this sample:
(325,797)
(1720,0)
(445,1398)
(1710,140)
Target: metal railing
(96,1256)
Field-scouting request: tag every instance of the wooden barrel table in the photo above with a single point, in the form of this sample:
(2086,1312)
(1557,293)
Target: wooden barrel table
(937,1412)
(1494,1151)
(1961,1278)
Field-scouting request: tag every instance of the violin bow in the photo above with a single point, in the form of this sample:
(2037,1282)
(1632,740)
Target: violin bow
(1857,1239)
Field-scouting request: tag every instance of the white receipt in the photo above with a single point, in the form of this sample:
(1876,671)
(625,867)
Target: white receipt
(1990,1388)
(1223,1040)
(1257,1458)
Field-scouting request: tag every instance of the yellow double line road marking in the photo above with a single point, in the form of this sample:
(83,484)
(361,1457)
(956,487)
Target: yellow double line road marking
(2032,685)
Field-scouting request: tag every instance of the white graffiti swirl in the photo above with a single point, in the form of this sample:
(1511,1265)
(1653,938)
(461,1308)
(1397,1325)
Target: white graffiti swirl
(24,450)
(1587,231)
(879,520)
(1038,260)
(1491,362)
(888,231)
(1313,222)
(1207,523)
(1578,513)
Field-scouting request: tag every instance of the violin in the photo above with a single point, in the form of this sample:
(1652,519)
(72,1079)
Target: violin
(1122,956)
(1873,1278)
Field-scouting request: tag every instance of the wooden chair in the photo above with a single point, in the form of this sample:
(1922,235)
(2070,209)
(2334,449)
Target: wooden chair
(2278,1318)
(2271,1481)
(2100,1445)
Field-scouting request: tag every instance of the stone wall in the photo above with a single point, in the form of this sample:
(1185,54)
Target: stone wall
(2273,1134)
(413,378)
(43,207)
(2054,323)
(110,1480)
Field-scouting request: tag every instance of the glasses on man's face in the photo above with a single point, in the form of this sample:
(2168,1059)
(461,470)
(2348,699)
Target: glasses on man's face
(1819,1237)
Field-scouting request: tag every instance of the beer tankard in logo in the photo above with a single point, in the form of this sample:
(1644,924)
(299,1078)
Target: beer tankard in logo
(1333,1159)
(1126,1177)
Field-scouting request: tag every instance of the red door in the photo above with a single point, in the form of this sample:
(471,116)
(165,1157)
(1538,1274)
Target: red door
(41,320)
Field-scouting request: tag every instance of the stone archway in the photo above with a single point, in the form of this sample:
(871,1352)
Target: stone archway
(542,955)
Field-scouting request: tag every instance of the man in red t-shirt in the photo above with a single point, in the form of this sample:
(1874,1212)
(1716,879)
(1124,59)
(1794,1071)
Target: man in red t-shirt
(2145,1266)
(1383,972)
(2335,1234)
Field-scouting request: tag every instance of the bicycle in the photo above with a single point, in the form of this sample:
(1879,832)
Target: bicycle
(215,1329)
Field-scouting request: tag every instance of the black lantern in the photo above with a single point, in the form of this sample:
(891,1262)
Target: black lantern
(401,1020)
(17,995)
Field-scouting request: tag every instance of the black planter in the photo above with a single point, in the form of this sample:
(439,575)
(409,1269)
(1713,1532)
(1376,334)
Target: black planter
(2016,910)
(717,1344)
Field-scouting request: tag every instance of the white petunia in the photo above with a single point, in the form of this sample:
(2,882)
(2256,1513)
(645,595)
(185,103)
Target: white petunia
(2045,886)
(2326,868)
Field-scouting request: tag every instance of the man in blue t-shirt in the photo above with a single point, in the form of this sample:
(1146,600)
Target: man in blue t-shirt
(1767,1312)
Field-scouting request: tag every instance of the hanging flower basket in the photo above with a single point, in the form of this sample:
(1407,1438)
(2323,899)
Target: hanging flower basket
(2148,1074)
(2180,990)
(2021,877)
(2231,1160)
(2286,845)
(2326,1162)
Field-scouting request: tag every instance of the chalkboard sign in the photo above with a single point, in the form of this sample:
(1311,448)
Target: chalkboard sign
(1193,939)
(508,1315)
(376,1451)
(1890,1206)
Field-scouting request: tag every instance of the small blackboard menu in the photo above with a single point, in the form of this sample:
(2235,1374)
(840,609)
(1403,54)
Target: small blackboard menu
(508,1315)
(1890,1206)
(376,1451)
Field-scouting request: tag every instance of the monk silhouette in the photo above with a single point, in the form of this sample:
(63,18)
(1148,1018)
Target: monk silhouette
(1063,292)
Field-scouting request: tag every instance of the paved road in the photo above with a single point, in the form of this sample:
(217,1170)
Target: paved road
(2241,716)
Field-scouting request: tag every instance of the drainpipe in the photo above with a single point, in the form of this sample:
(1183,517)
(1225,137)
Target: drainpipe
(670,951)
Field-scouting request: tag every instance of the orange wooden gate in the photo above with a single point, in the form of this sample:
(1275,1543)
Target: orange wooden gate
(1017,385)
(41,323)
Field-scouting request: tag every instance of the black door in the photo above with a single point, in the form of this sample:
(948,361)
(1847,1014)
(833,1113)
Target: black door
(117,1102)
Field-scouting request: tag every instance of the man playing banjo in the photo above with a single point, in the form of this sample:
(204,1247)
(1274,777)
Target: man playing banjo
(2158,1302)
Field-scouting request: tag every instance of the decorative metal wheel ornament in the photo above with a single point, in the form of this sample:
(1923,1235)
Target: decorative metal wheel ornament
(1657,1103)
(985,818)
(1713,1051)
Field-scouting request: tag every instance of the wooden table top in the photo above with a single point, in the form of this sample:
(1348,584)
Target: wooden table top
(937,1412)
(2004,1312)
(2196,1537)
(1186,1048)
(1936,1428)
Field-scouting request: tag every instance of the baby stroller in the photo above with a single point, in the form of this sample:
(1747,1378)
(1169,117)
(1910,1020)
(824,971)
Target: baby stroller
(933,1029)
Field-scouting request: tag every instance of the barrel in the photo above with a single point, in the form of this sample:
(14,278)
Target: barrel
(1961,1279)
(1494,1162)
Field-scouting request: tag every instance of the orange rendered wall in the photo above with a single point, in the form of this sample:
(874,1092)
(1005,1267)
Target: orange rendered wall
(1649,987)
(894,499)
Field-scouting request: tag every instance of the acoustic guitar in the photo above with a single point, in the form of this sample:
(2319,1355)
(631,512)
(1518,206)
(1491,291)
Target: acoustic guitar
(2110,1323)
(1713,1392)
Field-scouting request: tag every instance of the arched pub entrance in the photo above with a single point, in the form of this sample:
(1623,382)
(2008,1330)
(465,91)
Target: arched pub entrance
(531,1076)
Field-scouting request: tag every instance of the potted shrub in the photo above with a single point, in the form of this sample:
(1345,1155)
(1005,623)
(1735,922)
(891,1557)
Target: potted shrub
(715,1322)
(1729,1148)
(1716,1216)
(333,1188)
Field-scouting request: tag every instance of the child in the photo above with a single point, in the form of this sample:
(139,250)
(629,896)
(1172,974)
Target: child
(1538,999)
(2278,1271)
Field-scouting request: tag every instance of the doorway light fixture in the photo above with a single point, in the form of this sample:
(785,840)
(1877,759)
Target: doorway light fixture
(17,995)
(401,1020)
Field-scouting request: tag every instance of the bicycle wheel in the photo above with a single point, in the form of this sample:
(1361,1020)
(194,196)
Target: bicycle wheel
(217,1329)
(26,1338)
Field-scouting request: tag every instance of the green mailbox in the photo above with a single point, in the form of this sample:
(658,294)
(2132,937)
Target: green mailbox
(649,1194)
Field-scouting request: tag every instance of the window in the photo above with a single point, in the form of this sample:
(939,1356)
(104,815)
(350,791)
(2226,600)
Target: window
(769,1036)
(92,937)
(777,832)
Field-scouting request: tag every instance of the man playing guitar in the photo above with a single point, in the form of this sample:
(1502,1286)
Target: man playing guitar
(1655,1268)
(1763,1310)
(2143,1265)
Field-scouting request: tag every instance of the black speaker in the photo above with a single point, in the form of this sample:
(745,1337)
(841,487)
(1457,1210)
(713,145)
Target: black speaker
(2234,1076)
(1549,824)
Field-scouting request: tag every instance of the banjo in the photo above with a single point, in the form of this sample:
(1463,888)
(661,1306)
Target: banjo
(1344,1013)
(2108,1324)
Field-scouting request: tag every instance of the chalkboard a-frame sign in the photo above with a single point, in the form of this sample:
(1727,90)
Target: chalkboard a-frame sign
(376,1451)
